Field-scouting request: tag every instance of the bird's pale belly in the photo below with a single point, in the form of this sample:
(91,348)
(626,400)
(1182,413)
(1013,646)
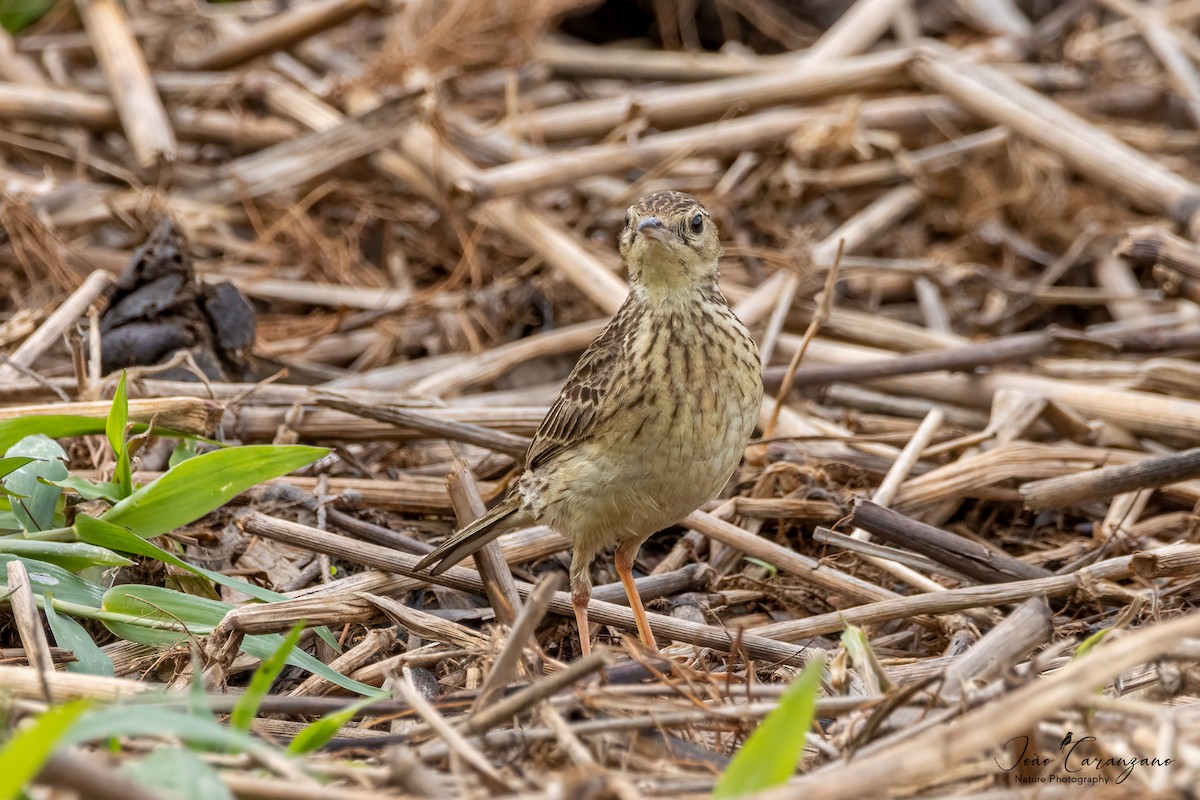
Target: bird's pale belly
(636,481)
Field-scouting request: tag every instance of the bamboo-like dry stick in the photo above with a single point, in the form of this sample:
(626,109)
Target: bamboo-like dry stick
(26,683)
(1089,149)
(65,107)
(927,159)
(1068,490)
(376,644)
(276,32)
(432,423)
(676,105)
(1174,560)
(611,61)
(561,167)
(784,558)
(504,668)
(187,414)
(29,625)
(141,110)
(536,692)
(1016,348)
(489,561)
(259,423)
(1154,246)
(92,288)
(983,563)
(1139,411)
(857,29)
(1030,625)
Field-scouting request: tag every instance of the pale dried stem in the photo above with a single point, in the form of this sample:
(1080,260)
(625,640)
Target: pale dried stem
(277,32)
(133,92)
(1089,149)
(63,317)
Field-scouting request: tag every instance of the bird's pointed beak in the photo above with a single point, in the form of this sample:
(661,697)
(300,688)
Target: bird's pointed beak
(653,228)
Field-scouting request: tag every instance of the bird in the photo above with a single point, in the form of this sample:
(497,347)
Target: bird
(652,421)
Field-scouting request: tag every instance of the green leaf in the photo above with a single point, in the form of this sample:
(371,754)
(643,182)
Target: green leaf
(36,510)
(91,490)
(177,773)
(118,418)
(89,658)
(772,752)
(200,615)
(26,752)
(260,682)
(73,556)
(204,483)
(114,429)
(54,579)
(10,463)
(314,735)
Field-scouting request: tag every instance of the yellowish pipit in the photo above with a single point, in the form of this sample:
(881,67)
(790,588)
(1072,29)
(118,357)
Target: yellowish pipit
(653,419)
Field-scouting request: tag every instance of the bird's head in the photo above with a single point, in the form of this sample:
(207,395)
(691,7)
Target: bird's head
(669,242)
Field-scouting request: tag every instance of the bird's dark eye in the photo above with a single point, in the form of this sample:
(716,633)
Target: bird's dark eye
(627,219)
(697,223)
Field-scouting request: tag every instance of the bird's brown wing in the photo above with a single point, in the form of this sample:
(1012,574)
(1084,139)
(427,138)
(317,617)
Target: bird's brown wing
(580,407)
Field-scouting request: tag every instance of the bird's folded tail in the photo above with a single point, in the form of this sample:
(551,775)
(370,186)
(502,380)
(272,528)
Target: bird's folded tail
(474,536)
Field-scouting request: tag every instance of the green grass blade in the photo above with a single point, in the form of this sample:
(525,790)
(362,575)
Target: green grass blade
(260,682)
(89,658)
(23,756)
(205,483)
(114,429)
(92,490)
(771,753)
(313,736)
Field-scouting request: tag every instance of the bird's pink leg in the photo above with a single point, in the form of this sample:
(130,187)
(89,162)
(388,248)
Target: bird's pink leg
(580,603)
(624,563)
